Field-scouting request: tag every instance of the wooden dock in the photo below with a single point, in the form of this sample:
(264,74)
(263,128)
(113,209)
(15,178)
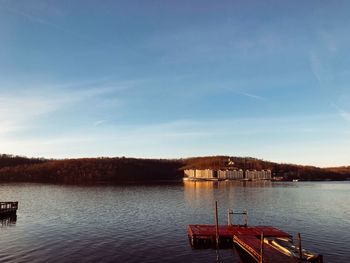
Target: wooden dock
(8,208)
(205,235)
(262,244)
(252,246)
(252,240)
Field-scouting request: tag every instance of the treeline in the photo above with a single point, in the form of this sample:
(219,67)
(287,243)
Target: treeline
(94,170)
(223,162)
(309,173)
(8,160)
(122,170)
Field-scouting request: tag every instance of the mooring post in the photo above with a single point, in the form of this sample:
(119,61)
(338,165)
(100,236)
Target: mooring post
(217,224)
(320,259)
(261,248)
(229,217)
(300,249)
(246,217)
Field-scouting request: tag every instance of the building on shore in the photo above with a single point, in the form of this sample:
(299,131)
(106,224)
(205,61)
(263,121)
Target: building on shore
(258,175)
(230,174)
(209,174)
(206,174)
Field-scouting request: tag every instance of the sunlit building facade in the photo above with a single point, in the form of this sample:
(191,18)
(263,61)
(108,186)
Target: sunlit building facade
(209,174)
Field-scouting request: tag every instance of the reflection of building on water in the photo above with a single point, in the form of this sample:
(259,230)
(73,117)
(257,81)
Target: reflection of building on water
(8,220)
(199,192)
(8,212)
(209,174)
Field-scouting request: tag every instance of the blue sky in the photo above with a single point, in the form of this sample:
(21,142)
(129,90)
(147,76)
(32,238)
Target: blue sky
(168,79)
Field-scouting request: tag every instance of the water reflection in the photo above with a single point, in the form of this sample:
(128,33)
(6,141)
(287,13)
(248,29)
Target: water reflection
(9,220)
(226,184)
(205,191)
(238,196)
(197,192)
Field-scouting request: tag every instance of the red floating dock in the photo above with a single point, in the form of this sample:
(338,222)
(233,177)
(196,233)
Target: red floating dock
(250,239)
(261,243)
(205,235)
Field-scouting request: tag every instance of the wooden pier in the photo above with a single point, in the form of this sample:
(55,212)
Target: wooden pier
(8,208)
(253,246)
(262,244)
(205,235)
(252,240)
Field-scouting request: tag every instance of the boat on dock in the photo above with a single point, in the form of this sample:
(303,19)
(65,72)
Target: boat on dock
(259,243)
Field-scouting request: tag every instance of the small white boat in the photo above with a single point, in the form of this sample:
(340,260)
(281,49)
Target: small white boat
(286,246)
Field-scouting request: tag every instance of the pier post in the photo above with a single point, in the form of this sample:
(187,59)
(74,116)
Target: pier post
(216,224)
(261,248)
(300,249)
(246,218)
(229,217)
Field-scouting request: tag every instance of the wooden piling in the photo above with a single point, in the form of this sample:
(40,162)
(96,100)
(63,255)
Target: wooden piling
(229,217)
(300,249)
(216,224)
(261,248)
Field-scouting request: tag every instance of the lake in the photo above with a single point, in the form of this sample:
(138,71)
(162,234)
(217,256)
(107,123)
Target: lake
(148,223)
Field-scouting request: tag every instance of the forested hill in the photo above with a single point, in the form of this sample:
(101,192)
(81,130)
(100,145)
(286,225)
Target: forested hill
(122,170)
(94,170)
(7,160)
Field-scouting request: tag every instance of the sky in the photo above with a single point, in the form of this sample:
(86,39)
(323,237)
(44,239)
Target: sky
(172,79)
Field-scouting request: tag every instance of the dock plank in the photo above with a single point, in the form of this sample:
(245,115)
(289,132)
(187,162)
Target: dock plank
(230,231)
(252,245)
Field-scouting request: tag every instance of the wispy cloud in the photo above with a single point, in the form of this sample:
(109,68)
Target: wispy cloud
(99,122)
(265,138)
(341,112)
(39,20)
(33,18)
(21,110)
(316,67)
(178,138)
(17,112)
(250,95)
(345,115)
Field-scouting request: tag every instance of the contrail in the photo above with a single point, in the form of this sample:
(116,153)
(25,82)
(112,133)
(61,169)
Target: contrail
(39,20)
(250,95)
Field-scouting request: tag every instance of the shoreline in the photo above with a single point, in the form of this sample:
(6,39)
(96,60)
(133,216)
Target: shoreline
(121,170)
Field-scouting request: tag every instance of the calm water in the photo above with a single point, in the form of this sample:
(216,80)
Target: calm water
(148,223)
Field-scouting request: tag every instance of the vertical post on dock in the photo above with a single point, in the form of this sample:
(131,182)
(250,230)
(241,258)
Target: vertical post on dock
(216,224)
(300,249)
(261,248)
(229,217)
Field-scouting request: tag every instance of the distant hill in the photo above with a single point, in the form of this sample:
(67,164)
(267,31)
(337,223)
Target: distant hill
(131,170)
(7,160)
(340,170)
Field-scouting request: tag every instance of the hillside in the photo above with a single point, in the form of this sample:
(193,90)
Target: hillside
(131,170)
(7,160)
